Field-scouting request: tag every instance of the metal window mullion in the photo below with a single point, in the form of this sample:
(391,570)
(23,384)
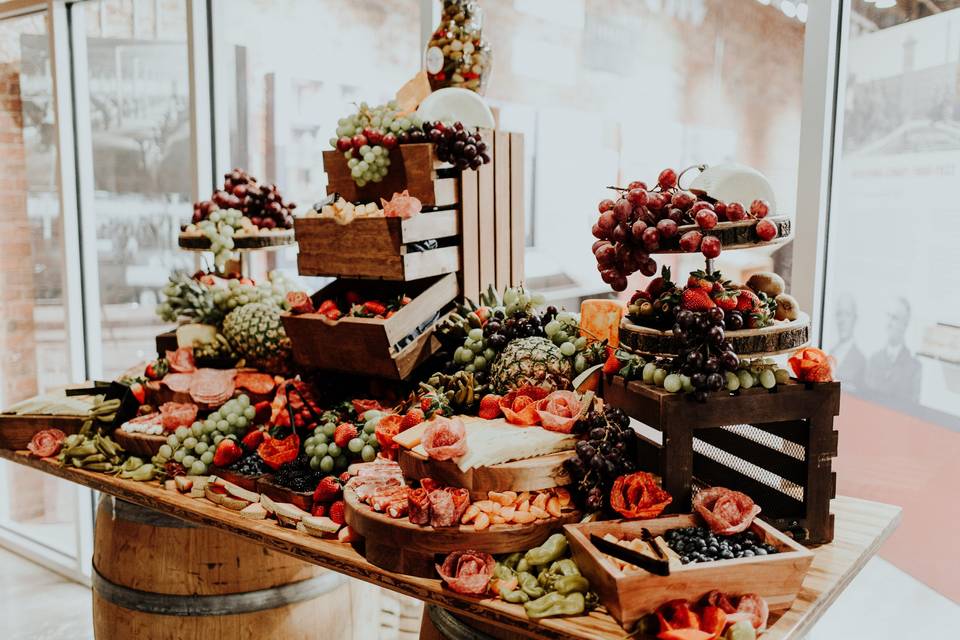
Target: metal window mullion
(821,124)
(201,112)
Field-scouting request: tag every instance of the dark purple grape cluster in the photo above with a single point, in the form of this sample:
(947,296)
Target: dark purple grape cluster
(608,451)
(456,145)
(500,330)
(705,355)
(262,203)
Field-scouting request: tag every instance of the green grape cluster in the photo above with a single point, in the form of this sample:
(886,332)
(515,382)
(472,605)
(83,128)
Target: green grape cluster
(366,137)
(760,372)
(188,298)
(325,455)
(272,291)
(564,332)
(219,229)
(194,446)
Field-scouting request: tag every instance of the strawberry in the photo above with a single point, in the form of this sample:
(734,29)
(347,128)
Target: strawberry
(336,512)
(490,406)
(660,283)
(344,433)
(252,440)
(747,301)
(228,452)
(326,306)
(352,297)
(374,307)
(344,477)
(319,510)
(726,300)
(695,299)
(328,490)
(138,392)
(699,280)
(333,314)
(612,364)
(262,411)
(412,418)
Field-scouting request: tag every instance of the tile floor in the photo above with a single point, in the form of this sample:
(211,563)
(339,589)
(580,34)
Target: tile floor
(882,603)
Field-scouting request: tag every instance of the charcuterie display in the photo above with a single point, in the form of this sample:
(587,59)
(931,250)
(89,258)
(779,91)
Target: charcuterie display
(473,434)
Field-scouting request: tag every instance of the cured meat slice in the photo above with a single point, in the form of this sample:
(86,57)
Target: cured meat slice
(418,506)
(299,302)
(461,500)
(429,484)
(212,386)
(255,382)
(177,414)
(178,382)
(638,495)
(559,411)
(725,511)
(46,443)
(181,360)
(397,508)
(443,510)
(445,438)
(381,501)
(467,572)
(520,406)
(752,608)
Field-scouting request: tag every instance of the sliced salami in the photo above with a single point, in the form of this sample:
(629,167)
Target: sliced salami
(178,382)
(254,382)
(445,438)
(443,510)
(177,414)
(559,411)
(212,386)
(461,500)
(299,302)
(181,360)
(418,506)
(467,572)
(46,443)
(753,608)
(725,511)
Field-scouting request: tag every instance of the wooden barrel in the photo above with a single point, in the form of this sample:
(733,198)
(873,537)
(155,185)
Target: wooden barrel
(440,624)
(156,577)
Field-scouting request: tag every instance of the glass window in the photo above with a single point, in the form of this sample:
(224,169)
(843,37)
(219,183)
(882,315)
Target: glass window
(32,317)
(282,96)
(609,92)
(139,115)
(891,313)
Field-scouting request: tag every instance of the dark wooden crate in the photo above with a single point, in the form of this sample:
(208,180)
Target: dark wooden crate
(166,341)
(776,446)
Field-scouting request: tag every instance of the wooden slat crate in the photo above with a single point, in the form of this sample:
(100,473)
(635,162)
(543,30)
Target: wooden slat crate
(776,446)
(369,346)
(379,247)
(488,201)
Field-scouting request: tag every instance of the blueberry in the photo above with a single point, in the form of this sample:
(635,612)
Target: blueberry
(748,553)
(761,552)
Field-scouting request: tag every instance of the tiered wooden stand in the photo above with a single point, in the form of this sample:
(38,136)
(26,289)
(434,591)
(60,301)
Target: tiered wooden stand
(776,446)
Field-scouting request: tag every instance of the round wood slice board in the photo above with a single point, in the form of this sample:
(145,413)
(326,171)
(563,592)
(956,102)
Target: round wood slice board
(384,531)
(273,240)
(532,474)
(780,337)
(734,235)
(139,444)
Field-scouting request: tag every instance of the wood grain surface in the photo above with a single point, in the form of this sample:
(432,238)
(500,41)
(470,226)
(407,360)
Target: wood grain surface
(861,527)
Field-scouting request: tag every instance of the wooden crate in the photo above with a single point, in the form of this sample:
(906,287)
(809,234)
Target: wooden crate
(166,341)
(413,167)
(379,247)
(776,446)
(369,346)
(16,431)
(629,596)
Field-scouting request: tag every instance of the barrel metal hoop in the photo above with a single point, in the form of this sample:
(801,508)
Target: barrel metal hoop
(215,605)
(130,512)
(451,627)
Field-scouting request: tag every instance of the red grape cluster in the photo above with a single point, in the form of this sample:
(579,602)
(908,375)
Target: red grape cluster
(262,203)
(456,145)
(645,220)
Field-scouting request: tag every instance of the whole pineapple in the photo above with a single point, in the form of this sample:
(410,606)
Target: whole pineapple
(256,333)
(530,361)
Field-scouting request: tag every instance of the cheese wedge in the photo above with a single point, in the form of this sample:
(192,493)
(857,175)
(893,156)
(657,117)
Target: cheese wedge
(254,511)
(411,437)
(319,525)
(237,491)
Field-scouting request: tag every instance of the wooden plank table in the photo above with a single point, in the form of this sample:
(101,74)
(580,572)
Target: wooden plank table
(861,527)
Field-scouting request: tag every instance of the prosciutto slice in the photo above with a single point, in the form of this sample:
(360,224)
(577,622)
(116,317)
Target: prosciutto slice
(178,382)
(181,360)
(725,511)
(467,572)
(177,414)
(559,411)
(445,438)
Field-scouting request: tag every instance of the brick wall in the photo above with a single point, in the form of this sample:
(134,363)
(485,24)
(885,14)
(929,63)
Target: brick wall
(18,369)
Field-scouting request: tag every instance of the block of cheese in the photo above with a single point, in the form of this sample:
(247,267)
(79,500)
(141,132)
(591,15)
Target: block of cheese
(600,320)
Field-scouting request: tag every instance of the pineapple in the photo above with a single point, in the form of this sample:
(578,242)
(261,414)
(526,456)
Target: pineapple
(534,361)
(256,333)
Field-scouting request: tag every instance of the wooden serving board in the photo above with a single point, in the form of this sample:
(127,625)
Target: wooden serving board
(532,474)
(273,240)
(780,337)
(733,235)
(139,444)
(16,431)
(396,544)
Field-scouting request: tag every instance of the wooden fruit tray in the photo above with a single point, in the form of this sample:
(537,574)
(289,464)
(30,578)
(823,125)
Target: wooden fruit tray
(628,596)
(369,346)
(733,235)
(139,444)
(271,240)
(279,493)
(532,474)
(379,247)
(396,544)
(16,431)
(242,480)
(778,338)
